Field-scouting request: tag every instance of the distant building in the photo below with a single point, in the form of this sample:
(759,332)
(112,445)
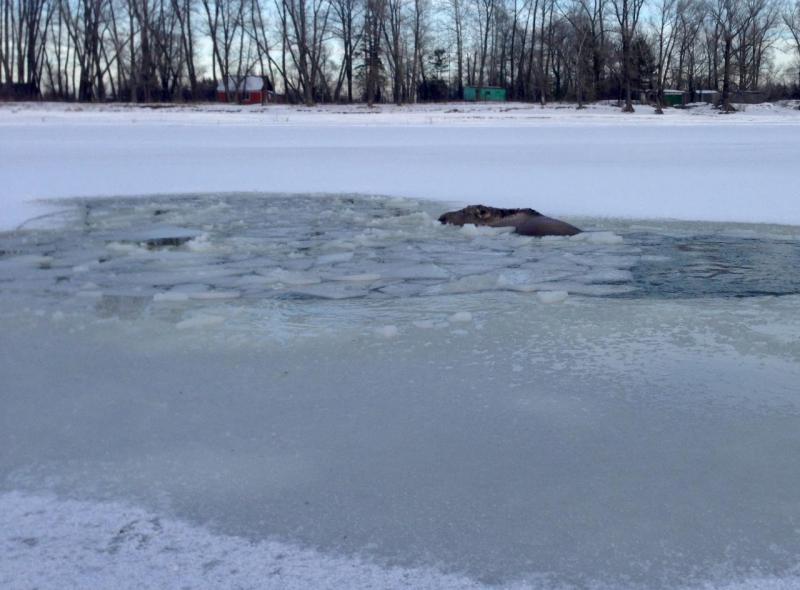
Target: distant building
(749,96)
(246,90)
(675,98)
(489,93)
(708,96)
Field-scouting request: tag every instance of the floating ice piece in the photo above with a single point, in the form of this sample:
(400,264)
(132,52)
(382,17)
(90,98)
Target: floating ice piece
(524,280)
(200,243)
(171,296)
(612,275)
(329,291)
(401,203)
(215,295)
(200,321)
(189,288)
(293,277)
(465,270)
(460,317)
(339,245)
(411,271)
(473,231)
(161,236)
(418,218)
(597,237)
(124,248)
(390,331)
(26,260)
(552,296)
(358,278)
(403,289)
(470,284)
(334,258)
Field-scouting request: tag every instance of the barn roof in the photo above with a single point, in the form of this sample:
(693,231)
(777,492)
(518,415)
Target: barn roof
(245,84)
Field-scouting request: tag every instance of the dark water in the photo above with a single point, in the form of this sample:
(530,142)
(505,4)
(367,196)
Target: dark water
(714,266)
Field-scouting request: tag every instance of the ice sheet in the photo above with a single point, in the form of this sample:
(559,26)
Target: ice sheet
(487,433)
(691,164)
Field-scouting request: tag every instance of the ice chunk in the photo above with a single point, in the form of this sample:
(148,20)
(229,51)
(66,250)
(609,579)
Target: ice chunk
(215,295)
(597,237)
(474,231)
(329,290)
(293,277)
(171,296)
(200,321)
(389,331)
(334,258)
(201,243)
(530,280)
(606,276)
(357,278)
(460,317)
(26,260)
(470,284)
(124,248)
(160,236)
(552,296)
(411,271)
(190,288)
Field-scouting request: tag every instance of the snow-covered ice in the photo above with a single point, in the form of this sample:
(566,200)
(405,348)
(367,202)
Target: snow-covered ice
(290,390)
(689,165)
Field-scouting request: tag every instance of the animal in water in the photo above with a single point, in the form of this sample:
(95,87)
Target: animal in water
(527,222)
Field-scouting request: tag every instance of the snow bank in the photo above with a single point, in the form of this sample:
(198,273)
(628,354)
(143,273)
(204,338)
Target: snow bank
(53,544)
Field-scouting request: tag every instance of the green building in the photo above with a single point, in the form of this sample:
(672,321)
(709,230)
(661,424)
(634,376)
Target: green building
(675,98)
(487,93)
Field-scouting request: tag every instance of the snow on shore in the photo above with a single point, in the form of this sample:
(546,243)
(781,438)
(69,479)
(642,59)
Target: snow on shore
(54,544)
(692,164)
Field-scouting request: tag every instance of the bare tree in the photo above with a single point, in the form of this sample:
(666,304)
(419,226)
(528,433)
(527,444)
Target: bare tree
(576,16)
(485,13)
(627,13)
(225,20)
(666,28)
(392,33)
(730,18)
(305,34)
(457,13)
(374,15)
(348,15)
(791,17)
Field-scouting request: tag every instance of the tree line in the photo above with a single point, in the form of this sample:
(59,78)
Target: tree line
(397,50)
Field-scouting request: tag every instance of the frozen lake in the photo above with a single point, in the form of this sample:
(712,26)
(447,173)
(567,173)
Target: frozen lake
(323,386)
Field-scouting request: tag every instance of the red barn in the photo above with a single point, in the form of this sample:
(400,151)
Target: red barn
(246,90)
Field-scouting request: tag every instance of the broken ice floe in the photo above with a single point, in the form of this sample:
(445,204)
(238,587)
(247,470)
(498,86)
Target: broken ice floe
(298,248)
